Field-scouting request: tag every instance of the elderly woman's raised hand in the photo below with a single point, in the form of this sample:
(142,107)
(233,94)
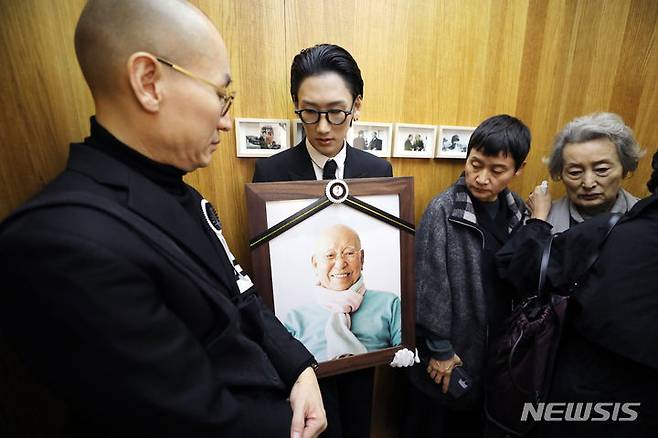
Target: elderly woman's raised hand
(539,201)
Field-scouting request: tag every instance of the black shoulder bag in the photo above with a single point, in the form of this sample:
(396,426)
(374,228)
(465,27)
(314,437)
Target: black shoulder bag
(521,360)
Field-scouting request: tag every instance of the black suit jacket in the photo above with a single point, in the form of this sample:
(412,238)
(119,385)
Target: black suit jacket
(127,339)
(295,164)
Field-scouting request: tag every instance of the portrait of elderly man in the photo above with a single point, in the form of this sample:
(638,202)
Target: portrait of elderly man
(591,156)
(345,318)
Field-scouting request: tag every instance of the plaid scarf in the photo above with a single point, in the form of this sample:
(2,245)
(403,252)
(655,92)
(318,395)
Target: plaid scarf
(464,209)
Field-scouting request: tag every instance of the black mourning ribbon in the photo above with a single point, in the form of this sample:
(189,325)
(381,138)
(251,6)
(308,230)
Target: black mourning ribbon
(213,217)
(320,205)
(329,170)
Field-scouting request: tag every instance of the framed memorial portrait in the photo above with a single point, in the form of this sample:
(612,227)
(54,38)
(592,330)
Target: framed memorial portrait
(261,137)
(453,141)
(335,262)
(372,137)
(297,132)
(414,141)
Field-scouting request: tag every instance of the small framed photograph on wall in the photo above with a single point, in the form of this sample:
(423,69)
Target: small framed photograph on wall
(298,133)
(371,137)
(453,141)
(261,137)
(414,141)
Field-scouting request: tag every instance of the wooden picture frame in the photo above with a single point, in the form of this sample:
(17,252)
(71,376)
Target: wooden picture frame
(297,131)
(284,241)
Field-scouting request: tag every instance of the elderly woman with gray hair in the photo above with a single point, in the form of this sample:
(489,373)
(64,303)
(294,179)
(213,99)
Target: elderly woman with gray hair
(607,360)
(591,156)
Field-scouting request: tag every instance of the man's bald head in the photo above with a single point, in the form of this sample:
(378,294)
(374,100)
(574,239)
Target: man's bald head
(110,31)
(338,257)
(336,232)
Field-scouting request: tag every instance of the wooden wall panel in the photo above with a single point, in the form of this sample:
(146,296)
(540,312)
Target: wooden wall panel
(254,32)
(45,103)
(423,61)
(434,62)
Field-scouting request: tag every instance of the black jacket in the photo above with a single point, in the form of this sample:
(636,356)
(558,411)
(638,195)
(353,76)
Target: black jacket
(295,165)
(131,343)
(609,350)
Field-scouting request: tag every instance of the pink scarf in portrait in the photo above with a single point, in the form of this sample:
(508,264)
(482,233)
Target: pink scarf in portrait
(341,341)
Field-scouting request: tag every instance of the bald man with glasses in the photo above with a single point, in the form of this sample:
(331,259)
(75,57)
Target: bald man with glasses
(120,291)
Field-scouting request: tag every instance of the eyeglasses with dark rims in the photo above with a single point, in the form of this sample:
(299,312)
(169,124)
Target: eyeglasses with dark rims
(333,116)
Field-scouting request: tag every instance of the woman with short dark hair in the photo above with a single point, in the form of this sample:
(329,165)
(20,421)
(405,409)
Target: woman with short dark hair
(459,298)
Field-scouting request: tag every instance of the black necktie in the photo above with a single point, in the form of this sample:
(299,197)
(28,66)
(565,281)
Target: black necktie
(329,170)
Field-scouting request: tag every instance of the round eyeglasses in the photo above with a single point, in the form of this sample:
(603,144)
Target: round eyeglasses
(333,116)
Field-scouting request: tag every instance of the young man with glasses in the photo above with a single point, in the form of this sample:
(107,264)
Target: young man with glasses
(120,290)
(327,91)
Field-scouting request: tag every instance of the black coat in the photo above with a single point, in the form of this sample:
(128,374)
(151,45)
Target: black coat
(609,350)
(129,341)
(295,165)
